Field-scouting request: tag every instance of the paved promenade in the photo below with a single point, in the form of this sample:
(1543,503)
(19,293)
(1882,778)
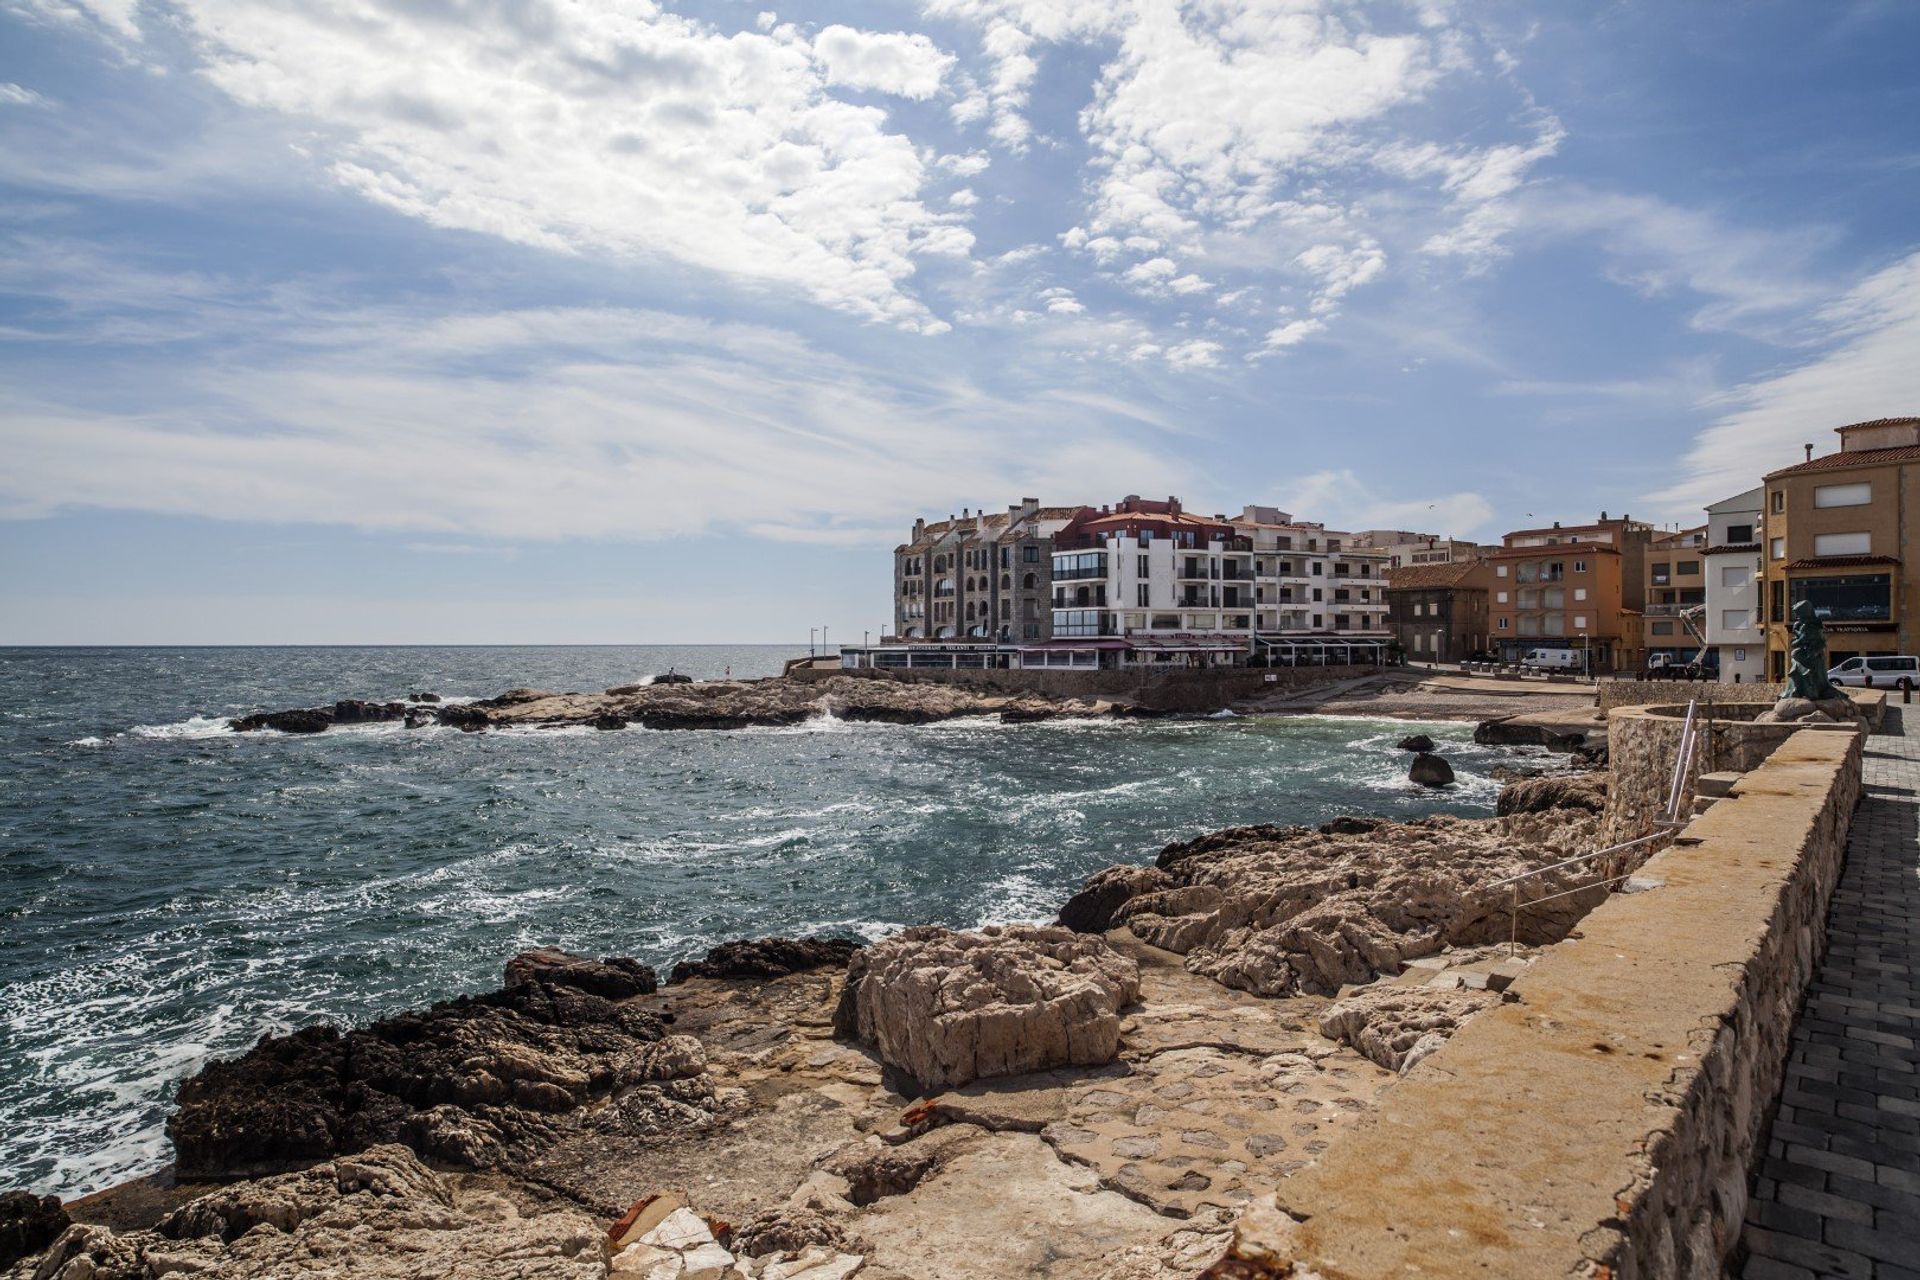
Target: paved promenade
(1838,1193)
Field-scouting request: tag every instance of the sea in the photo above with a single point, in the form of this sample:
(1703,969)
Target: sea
(170,891)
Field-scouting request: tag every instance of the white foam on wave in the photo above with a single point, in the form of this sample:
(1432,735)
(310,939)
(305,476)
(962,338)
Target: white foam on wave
(88,742)
(196,726)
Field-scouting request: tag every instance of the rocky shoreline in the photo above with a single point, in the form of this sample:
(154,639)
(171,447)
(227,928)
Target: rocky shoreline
(1097,1098)
(771,702)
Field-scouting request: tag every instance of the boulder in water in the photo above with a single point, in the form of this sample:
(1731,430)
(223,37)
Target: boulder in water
(1414,742)
(1430,770)
(301,720)
(947,1007)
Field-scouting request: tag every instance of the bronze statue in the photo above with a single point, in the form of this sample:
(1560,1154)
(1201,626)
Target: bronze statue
(1807,677)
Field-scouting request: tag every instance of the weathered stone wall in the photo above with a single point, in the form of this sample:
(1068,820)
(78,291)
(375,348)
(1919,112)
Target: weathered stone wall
(1643,742)
(1201,690)
(1639,693)
(1603,1121)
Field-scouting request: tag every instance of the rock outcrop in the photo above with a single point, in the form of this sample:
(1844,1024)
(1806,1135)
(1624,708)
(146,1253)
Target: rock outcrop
(1091,910)
(28,1224)
(947,1007)
(1284,910)
(767,958)
(1586,792)
(378,1215)
(1414,742)
(710,704)
(1397,1026)
(474,1082)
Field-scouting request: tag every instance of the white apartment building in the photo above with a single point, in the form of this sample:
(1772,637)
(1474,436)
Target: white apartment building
(1143,570)
(1734,627)
(1310,579)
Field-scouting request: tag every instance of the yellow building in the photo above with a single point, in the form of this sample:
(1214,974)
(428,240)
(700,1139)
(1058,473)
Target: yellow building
(1837,531)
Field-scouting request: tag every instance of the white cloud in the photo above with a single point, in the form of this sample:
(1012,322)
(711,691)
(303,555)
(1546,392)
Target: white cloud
(1341,500)
(1195,353)
(614,130)
(587,423)
(910,65)
(14,95)
(1292,333)
(1868,370)
(121,17)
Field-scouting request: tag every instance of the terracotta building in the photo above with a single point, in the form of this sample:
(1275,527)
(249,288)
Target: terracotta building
(1675,582)
(1439,612)
(1837,531)
(1572,587)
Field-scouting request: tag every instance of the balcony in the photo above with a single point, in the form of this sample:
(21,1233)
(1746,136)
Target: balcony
(1076,575)
(1196,570)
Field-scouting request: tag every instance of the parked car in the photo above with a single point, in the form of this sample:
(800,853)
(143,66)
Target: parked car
(1887,671)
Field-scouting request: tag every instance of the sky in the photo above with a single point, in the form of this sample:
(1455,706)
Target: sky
(602,321)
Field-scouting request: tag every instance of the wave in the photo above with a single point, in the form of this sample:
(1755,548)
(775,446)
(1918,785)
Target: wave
(195,726)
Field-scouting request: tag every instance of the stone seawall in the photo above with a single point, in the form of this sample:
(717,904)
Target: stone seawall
(1602,1122)
(1177,690)
(1637,693)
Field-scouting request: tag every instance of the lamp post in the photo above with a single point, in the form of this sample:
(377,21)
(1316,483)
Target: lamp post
(1586,655)
(811,650)
(823,637)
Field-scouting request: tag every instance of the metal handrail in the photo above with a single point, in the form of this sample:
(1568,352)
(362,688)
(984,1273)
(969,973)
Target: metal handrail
(1666,826)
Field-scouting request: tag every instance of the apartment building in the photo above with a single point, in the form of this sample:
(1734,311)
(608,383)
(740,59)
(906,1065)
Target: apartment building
(1440,612)
(1736,634)
(1143,569)
(1836,532)
(977,576)
(1309,579)
(1572,587)
(1676,582)
(1405,548)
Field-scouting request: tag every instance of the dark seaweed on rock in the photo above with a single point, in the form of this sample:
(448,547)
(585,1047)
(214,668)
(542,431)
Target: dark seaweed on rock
(478,1081)
(767,958)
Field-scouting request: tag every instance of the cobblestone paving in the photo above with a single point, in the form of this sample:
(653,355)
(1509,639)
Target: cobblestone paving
(1838,1190)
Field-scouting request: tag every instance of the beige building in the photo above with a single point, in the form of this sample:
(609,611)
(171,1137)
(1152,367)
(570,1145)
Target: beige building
(1405,549)
(979,577)
(1675,582)
(1577,587)
(1312,580)
(1836,531)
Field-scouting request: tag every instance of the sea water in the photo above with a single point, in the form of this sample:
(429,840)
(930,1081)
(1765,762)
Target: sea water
(169,890)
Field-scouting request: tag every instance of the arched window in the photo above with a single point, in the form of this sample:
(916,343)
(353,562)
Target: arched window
(1028,582)
(1006,582)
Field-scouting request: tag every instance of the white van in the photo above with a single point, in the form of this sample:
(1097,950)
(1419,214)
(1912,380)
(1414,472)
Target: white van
(1553,660)
(1886,671)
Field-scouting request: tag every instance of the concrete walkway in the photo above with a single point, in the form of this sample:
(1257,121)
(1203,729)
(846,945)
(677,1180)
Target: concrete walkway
(1838,1192)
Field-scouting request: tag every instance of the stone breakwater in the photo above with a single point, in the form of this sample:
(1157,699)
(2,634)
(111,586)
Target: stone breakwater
(1099,1101)
(711,704)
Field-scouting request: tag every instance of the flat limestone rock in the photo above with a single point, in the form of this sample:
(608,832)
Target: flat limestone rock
(947,1007)
(1397,1026)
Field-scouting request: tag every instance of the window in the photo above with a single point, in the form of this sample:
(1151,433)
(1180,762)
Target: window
(1316,594)
(1739,534)
(1319,568)
(1777,601)
(1842,495)
(1779,500)
(1499,597)
(1777,549)
(1850,597)
(1735,575)
(1579,622)
(1842,544)
(1663,628)
(1579,566)
(1500,623)
(1140,596)
(1662,575)
(1735,619)
(1579,593)
(1143,567)
(1686,568)
(1499,571)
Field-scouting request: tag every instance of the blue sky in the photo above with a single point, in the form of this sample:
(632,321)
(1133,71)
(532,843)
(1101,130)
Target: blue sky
(528,321)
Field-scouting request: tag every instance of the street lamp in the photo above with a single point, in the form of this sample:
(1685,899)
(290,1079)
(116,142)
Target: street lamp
(1586,655)
(811,632)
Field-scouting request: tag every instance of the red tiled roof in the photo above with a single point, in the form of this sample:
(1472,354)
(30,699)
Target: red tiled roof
(1841,562)
(1730,547)
(1419,577)
(1853,458)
